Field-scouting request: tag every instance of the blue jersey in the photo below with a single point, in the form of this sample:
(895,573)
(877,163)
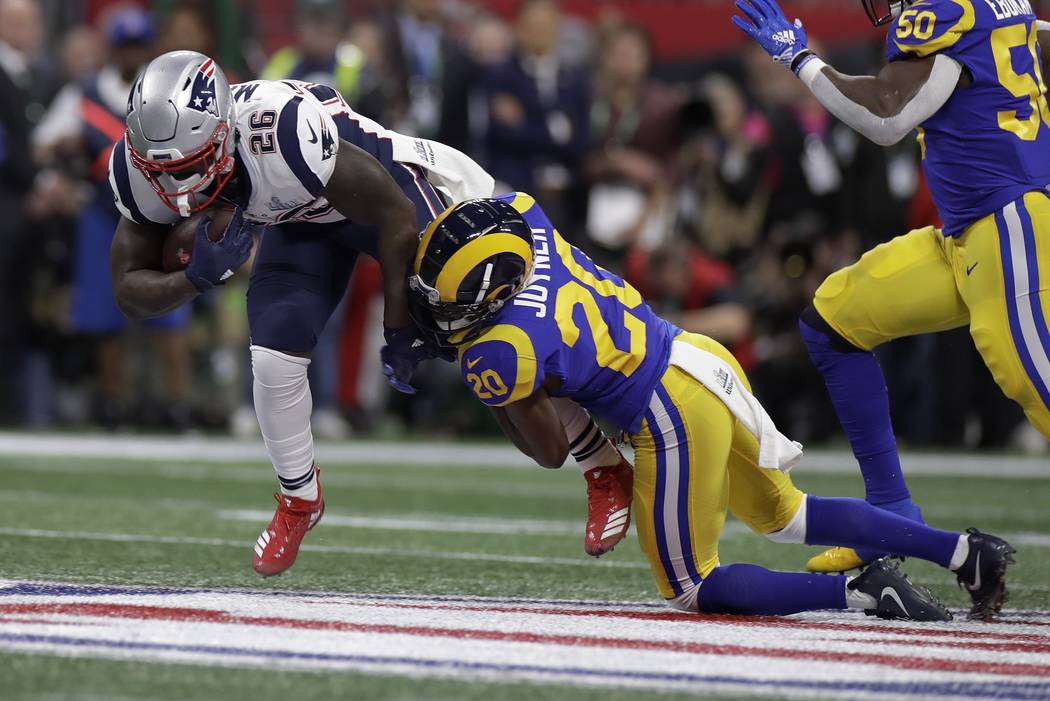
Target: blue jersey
(575,322)
(990,143)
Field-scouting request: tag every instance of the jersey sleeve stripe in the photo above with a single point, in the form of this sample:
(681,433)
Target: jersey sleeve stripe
(323,92)
(291,147)
(118,178)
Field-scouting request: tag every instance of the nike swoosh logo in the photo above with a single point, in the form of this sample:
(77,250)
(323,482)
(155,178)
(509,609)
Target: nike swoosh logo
(970,269)
(313,134)
(472,363)
(977,576)
(892,593)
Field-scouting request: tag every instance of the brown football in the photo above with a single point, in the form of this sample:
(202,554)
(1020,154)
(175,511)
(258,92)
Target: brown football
(178,246)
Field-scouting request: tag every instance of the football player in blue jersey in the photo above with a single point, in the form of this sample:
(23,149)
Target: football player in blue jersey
(966,76)
(327,184)
(534,321)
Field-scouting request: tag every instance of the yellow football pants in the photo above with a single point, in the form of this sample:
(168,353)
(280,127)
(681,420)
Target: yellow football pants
(994,277)
(692,461)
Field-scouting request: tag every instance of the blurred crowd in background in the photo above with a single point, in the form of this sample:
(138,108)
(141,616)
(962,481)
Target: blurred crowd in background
(661,143)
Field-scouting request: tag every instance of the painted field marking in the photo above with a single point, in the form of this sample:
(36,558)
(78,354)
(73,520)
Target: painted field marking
(443,523)
(451,454)
(345,550)
(823,654)
(610,641)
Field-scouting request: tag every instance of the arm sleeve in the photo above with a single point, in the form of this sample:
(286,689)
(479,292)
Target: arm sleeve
(501,367)
(885,131)
(308,141)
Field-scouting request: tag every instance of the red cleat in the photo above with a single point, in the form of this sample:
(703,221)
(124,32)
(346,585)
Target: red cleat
(278,546)
(608,506)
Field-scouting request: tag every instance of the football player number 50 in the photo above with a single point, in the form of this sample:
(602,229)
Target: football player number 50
(1028,85)
(917,24)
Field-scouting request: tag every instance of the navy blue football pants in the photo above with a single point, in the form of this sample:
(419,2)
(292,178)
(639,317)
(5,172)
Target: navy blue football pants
(302,269)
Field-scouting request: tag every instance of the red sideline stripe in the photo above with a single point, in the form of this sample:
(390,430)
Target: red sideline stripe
(758,621)
(213,616)
(1030,648)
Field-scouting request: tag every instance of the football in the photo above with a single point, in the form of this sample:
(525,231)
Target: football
(178,246)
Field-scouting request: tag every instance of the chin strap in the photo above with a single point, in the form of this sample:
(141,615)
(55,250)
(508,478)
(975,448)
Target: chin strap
(183,202)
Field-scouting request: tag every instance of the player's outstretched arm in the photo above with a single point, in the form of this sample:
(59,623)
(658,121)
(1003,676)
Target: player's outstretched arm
(363,191)
(887,107)
(533,425)
(142,291)
(884,108)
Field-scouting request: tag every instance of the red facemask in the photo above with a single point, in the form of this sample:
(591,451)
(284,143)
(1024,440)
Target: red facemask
(212,163)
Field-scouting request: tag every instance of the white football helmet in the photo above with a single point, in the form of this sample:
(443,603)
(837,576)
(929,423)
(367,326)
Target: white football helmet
(180,129)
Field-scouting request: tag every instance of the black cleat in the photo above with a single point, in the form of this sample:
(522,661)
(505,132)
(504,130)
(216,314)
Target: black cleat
(984,573)
(897,597)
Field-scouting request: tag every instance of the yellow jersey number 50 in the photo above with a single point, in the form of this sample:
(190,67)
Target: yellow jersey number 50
(1028,85)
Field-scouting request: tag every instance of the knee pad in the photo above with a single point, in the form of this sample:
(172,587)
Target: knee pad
(795,530)
(283,375)
(812,319)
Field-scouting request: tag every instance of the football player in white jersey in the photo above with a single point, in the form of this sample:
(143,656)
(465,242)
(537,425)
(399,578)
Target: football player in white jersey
(327,184)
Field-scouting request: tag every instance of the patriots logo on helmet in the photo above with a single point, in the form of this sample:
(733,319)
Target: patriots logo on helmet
(202,94)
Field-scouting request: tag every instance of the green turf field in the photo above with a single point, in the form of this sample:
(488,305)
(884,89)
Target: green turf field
(388,529)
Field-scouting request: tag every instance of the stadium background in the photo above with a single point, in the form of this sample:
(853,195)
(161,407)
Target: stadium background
(673,152)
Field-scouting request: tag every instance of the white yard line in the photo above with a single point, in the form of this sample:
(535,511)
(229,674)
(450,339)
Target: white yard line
(443,523)
(450,454)
(347,550)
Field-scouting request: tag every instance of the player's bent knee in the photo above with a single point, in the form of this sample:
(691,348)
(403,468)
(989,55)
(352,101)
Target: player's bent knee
(795,529)
(276,370)
(687,601)
(812,319)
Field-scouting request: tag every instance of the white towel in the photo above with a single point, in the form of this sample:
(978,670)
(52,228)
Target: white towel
(775,450)
(452,172)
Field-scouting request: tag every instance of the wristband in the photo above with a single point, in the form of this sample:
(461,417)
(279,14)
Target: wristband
(801,59)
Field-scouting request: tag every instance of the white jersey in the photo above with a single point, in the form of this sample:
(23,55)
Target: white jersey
(288,134)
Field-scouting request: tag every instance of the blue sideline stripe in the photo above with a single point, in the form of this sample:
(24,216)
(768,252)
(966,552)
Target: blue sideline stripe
(999,689)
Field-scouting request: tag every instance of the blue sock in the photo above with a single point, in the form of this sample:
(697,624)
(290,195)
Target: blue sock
(858,524)
(861,400)
(753,590)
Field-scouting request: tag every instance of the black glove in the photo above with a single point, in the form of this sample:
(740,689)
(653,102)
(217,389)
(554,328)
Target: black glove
(404,350)
(213,262)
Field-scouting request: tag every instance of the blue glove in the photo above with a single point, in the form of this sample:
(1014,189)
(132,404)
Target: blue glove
(766,24)
(212,262)
(404,350)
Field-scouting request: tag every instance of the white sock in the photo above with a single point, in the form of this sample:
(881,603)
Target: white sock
(962,551)
(856,599)
(283,405)
(587,442)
